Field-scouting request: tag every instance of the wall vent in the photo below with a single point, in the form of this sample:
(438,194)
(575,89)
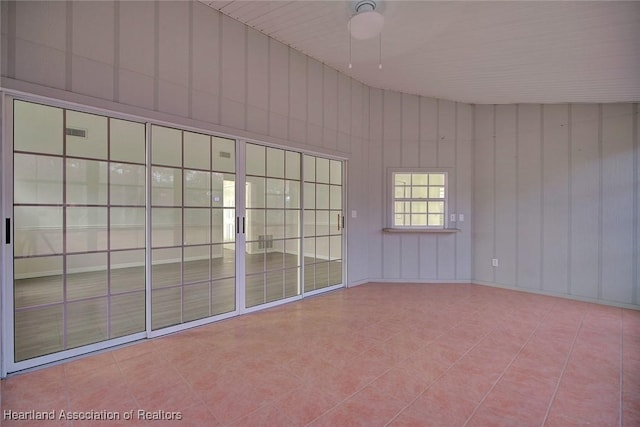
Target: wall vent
(80,133)
(265,241)
(225,154)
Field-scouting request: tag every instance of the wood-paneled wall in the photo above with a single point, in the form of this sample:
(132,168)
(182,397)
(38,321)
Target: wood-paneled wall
(556,199)
(413,131)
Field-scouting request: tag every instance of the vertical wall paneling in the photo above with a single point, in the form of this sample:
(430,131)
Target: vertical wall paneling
(364,221)
(376,178)
(205,93)
(410,261)
(8,39)
(233,66)
(392,128)
(357,183)
(584,200)
(576,204)
(617,202)
(156,54)
(483,221)
(173,58)
(446,157)
(297,96)
(428,252)
(136,72)
(92,49)
(344,112)
(505,194)
(409,152)
(330,107)
(315,106)
(116,51)
(190,63)
(40,36)
(446,133)
(427,157)
(428,131)
(68,47)
(391,149)
(463,202)
(410,131)
(278,89)
(423,132)
(357,109)
(555,180)
(529,197)
(257,82)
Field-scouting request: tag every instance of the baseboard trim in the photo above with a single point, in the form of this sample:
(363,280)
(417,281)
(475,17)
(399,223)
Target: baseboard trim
(419,281)
(559,295)
(357,283)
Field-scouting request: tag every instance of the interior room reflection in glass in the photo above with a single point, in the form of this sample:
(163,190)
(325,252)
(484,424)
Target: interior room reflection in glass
(79,220)
(272,249)
(192,226)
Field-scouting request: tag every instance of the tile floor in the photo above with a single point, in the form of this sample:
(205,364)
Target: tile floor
(374,355)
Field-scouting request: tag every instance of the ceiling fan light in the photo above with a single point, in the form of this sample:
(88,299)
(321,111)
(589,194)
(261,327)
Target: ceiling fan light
(366,25)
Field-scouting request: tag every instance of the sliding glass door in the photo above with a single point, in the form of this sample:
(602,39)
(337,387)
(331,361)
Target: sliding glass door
(193,250)
(125,229)
(79,227)
(323,223)
(272,254)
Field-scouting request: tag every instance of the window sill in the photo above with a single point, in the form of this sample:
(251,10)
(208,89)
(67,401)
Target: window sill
(421,230)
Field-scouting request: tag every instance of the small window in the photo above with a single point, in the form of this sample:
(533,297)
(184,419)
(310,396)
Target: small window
(419,199)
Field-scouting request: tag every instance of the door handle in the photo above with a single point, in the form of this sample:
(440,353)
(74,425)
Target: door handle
(338,222)
(237,225)
(243,225)
(7,230)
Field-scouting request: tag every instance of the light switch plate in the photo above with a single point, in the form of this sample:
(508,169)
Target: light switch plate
(354,214)
(461,217)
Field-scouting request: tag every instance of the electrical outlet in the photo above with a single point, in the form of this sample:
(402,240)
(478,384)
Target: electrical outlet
(452,218)
(494,262)
(461,217)
(354,214)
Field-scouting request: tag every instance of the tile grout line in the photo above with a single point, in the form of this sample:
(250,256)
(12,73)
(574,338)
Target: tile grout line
(395,365)
(531,335)
(453,364)
(199,399)
(564,369)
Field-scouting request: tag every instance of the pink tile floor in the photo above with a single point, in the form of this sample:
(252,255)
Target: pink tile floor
(374,355)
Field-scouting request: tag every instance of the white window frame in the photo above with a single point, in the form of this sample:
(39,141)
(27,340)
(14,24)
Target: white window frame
(391,199)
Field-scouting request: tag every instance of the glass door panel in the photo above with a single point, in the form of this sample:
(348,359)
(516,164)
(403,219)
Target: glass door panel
(79,229)
(192,226)
(272,248)
(323,223)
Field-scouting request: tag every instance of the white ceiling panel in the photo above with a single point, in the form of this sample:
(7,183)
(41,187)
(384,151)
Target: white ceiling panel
(478,52)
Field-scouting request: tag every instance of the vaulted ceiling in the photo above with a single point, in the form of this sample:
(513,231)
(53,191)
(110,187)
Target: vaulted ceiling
(474,51)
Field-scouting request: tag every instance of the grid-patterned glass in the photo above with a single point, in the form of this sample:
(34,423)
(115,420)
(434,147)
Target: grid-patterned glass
(419,199)
(192,226)
(323,222)
(272,250)
(79,240)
